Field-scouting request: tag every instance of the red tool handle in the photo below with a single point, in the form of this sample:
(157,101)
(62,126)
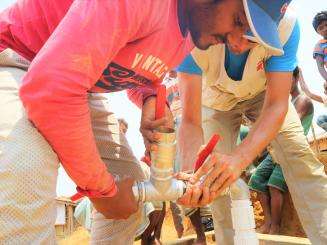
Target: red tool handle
(206,151)
(161,102)
(76,197)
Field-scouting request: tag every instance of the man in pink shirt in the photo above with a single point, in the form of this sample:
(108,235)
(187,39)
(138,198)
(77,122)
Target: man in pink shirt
(76,48)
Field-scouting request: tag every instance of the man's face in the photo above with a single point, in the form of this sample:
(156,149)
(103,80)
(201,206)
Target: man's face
(219,21)
(240,46)
(322,29)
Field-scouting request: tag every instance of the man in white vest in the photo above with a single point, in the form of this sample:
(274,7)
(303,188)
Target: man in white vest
(254,80)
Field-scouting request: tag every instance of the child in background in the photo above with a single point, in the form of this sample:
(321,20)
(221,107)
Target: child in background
(321,98)
(320,52)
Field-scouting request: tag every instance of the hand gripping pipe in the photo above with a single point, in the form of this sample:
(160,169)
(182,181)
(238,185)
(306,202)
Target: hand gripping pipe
(161,186)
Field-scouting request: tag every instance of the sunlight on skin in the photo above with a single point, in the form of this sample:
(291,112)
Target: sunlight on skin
(305,11)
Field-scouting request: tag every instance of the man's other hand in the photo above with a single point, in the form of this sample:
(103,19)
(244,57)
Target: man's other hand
(120,206)
(149,123)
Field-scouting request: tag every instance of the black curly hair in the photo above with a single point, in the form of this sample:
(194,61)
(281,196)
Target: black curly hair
(320,17)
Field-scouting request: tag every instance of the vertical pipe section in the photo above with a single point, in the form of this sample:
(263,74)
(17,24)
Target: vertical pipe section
(161,186)
(162,167)
(242,214)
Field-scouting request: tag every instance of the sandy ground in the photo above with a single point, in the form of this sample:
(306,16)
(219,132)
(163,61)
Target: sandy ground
(81,236)
(290,225)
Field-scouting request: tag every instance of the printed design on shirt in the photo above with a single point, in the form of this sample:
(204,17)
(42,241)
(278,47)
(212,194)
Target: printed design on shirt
(321,50)
(151,64)
(260,65)
(284,8)
(116,78)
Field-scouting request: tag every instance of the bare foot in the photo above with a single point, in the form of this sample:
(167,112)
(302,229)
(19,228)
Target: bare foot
(274,230)
(264,229)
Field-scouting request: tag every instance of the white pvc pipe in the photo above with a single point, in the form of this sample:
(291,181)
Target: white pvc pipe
(242,215)
(161,186)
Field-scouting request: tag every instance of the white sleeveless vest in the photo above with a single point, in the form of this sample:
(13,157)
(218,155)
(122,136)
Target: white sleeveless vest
(222,93)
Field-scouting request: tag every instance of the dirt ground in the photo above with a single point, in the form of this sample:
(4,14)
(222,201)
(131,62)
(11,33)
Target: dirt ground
(290,225)
(81,236)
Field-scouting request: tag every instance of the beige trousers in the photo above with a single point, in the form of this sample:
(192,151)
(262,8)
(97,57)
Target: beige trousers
(303,172)
(29,167)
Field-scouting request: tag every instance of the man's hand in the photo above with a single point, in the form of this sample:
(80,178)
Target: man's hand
(149,123)
(220,171)
(120,206)
(196,195)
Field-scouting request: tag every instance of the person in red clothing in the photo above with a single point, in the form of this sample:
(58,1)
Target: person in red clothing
(49,112)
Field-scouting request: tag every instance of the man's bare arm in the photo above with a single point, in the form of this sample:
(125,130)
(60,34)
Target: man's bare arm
(190,136)
(307,91)
(272,115)
(226,168)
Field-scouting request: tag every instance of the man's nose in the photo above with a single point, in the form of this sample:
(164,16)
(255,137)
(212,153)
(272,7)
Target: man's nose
(236,38)
(237,43)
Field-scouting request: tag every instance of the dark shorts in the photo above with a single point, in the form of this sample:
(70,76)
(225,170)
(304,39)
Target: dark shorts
(268,173)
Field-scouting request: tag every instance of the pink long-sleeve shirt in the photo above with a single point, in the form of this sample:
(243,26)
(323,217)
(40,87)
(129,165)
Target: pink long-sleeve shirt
(82,46)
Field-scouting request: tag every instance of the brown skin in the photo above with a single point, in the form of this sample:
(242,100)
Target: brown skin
(322,31)
(303,104)
(152,234)
(123,202)
(191,132)
(227,168)
(310,94)
(265,202)
(276,202)
(209,22)
(272,202)
(148,123)
(212,22)
(198,227)
(272,205)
